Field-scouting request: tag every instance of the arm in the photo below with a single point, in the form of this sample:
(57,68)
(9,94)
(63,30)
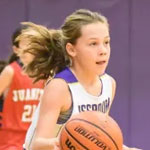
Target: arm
(56,98)
(6,78)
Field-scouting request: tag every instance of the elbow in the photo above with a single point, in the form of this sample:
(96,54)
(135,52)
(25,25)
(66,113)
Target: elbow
(41,143)
(35,145)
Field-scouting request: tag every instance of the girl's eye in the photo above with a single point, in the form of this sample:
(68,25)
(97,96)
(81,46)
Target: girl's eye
(107,42)
(93,43)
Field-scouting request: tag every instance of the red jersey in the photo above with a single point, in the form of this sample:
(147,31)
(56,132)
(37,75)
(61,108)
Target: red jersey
(18,108)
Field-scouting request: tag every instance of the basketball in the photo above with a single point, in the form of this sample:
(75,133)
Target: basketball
(91,130)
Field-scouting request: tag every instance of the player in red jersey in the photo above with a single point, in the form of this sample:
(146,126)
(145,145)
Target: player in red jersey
(21,97)
(3,63)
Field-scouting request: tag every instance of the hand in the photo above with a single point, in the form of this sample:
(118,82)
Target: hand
(129,148)
(55,143)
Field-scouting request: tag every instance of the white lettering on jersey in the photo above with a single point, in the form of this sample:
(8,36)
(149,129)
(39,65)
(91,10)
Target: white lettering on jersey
(27,94)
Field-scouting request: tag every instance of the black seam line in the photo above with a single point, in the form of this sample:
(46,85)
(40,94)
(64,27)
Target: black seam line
(76,139)
(98,128)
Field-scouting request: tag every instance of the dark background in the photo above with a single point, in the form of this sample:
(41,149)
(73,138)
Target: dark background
(130,29)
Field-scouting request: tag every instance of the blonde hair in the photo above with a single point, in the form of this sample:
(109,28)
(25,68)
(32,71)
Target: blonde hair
(72,26)
(48,45)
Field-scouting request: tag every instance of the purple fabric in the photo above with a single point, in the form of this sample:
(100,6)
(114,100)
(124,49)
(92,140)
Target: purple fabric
(67,75)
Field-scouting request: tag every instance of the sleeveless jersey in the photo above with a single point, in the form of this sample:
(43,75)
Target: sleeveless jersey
(1,106)
(81,101)
(19,105)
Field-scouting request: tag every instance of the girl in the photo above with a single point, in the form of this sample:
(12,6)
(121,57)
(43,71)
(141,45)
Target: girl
(20,97)
(75,59)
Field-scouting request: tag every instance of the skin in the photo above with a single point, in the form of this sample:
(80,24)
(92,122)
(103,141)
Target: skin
(6,75)
(5,79)
(93,45)
(25,58)
(90,56)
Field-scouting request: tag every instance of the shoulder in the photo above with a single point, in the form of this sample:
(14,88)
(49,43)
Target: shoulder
(6,78)
(57,83)
(8,71)
(113,81)
(57,91)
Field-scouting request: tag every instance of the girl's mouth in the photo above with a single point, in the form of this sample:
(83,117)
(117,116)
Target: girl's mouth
(101,62)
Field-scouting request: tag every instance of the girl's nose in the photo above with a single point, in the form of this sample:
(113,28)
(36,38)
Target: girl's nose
(102,50)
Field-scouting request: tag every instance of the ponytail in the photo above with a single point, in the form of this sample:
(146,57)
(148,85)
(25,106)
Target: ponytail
(48,50)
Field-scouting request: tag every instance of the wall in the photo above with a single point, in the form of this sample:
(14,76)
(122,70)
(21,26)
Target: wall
(129,28)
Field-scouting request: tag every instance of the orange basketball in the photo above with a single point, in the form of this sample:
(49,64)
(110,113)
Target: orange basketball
(91,130)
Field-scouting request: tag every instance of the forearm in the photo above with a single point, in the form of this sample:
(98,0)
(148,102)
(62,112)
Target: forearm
(43,143)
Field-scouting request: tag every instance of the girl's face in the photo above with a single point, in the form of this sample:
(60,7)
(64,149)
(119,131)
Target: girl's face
(25,58)
(92,49)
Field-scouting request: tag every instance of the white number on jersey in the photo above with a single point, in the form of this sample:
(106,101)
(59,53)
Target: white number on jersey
(28,113)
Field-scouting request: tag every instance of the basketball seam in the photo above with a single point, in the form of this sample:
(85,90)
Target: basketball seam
(99,128)
(75,139)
